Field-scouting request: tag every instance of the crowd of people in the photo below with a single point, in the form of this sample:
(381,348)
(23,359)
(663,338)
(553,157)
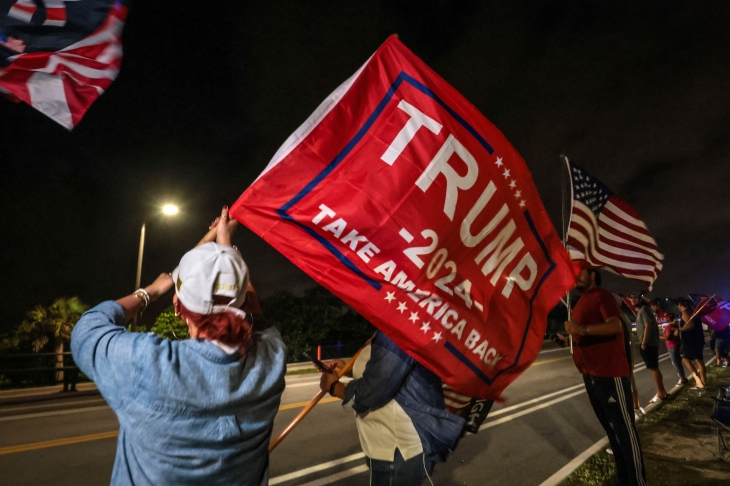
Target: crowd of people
(201,410)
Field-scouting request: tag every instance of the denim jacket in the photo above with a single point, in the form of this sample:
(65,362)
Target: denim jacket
(390,374)
(188,412)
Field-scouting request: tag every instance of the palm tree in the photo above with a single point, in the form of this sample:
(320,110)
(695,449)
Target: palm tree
(52,324)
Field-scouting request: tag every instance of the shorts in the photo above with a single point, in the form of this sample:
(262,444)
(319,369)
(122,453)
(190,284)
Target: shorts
(722,345)
(692,352)
(650,355)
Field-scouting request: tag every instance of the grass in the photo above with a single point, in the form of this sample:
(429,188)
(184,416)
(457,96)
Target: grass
(678,440)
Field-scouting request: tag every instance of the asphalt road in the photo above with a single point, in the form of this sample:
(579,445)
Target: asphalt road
(545,422)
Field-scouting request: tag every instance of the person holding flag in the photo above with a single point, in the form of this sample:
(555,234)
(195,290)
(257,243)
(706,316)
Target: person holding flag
(600,355)
(402,421)
(200,410)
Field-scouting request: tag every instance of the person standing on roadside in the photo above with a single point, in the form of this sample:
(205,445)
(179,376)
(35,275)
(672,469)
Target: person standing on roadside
(599,353)
(673,341)
(401,416)
(693,342)
(647,331)
(722,345)
(200,410)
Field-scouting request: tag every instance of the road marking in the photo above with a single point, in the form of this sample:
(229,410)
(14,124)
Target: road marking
(103,435)
(52,414)
(530,410)
(304,404)
(338,476)
(545,351)
(566,470)
(320,467)
(57,442)
(534,400)
(83,402)
(344,379)
(549,361)
(308,383)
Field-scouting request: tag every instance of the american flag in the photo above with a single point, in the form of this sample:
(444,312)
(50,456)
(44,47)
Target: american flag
(607,232)
(60,58)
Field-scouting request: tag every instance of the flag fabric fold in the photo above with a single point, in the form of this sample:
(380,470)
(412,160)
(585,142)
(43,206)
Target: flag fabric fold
(713,311)
(60,58)
(403,200)
(607,232)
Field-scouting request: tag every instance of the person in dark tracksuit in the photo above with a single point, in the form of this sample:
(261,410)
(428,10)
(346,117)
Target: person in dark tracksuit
(599,352)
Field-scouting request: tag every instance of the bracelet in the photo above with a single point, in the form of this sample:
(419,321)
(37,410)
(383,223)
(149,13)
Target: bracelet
(332,388)
(142,295)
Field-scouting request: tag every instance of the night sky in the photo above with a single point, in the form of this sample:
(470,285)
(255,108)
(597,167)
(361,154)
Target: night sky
(636,94)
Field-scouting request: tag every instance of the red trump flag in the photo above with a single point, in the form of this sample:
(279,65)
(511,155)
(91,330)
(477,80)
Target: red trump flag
(403,200)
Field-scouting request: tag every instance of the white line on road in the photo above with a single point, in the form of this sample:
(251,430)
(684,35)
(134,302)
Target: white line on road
(314,469)
(529,410)
(308,383)
(534,400)
(336,477)
(566,470)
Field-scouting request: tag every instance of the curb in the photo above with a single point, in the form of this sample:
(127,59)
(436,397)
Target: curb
(563,473)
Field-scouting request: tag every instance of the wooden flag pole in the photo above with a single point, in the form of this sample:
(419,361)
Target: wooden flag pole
(565,241)
(315,400)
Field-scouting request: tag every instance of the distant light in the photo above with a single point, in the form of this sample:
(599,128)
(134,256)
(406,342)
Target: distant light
(170,210)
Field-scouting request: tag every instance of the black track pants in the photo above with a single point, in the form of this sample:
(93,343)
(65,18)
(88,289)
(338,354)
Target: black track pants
(611,400)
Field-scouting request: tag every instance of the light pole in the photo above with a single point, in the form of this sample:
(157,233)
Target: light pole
(167,210)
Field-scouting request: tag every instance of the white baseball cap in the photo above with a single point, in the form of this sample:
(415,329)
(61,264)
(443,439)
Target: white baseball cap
(208,271)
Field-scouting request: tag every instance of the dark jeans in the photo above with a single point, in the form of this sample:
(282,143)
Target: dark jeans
(611,401)
(399,472)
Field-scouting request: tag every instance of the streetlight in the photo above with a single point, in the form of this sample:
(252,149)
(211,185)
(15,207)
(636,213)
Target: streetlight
(167,210)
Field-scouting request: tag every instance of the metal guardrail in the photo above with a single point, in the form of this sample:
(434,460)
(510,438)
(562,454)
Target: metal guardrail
(40,369)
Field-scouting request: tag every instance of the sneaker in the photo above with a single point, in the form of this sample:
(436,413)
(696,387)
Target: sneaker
(655,399)
(682,382)
(609,451)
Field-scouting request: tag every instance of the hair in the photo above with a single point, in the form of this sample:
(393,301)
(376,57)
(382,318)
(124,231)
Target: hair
(686,303)
(597,273)
(225,327)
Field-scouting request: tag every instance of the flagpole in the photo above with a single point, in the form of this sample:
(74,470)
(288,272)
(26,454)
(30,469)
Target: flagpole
(315,400)
(565,237)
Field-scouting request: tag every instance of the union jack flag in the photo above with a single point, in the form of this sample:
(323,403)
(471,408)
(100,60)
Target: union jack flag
(607,232)
(59,56)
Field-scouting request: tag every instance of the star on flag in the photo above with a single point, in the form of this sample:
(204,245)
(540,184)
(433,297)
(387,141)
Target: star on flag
(402,307)
(390,297)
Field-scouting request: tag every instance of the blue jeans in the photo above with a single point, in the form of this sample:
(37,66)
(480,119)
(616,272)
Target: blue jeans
(399,472)
(677,362)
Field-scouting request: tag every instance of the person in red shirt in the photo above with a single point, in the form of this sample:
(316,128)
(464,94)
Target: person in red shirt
(599,352)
